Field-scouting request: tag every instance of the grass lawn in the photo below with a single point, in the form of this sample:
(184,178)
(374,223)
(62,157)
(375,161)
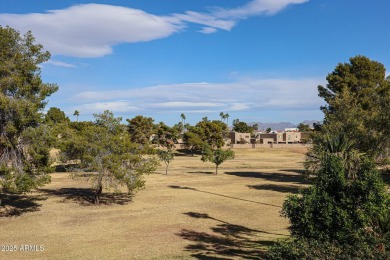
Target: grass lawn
(191,213)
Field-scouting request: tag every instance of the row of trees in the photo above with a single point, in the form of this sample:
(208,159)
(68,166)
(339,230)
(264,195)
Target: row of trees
(121,155)
(115,154)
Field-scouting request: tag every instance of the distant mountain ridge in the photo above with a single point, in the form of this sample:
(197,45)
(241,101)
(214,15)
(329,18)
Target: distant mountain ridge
(281,125)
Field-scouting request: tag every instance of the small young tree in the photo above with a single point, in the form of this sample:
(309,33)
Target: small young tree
(166,137)
(216,156)
(167,157)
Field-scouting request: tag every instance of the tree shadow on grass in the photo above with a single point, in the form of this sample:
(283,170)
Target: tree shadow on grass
(204,172)
(85,196)
(14,205)
(221,195)
(272,176)
(299,171)
(227,241)
(277,187)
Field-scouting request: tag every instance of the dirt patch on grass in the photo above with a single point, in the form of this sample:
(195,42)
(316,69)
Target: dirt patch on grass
(191,213)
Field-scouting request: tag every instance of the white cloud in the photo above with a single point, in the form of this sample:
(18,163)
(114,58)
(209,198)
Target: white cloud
(208,30)
(254,8)
(204,19)
(91,30)
(61,64)
(244,95)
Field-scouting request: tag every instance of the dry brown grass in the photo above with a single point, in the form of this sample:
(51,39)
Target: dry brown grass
(190,213)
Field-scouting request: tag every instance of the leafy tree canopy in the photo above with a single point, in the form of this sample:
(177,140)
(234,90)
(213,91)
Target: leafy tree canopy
(216,156)
(212,133)
(166,136)
(106,151)
(304,128)
(193,139)
(242,127)
(141,129)
(358,104)
(23,164)
(56,116)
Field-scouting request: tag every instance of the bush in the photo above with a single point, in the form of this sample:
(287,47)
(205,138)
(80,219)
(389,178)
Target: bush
(338,218)
(315,249)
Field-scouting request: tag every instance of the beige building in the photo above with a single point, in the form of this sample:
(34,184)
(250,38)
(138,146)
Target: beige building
(292,137)
(281,137)
(240,138)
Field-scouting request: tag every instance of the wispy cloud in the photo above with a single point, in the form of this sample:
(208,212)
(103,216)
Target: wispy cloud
(248,94)
(255,8)
(61,64)
(91,30)
(98,107)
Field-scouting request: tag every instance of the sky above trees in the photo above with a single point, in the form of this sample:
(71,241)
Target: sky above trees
(258,60)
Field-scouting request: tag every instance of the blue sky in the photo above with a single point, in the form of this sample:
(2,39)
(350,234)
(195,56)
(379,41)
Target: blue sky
(257,60)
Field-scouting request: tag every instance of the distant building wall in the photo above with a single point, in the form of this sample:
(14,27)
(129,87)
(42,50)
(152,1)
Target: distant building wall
(291,137)
(240,137)
(271,145)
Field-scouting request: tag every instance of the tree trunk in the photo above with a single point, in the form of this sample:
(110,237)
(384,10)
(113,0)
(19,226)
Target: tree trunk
(166,170)
(98,192)
(216,169)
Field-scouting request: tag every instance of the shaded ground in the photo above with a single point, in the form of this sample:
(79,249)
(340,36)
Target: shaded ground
(13,205)
(188,214)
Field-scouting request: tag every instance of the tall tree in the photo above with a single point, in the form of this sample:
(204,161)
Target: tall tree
(22,100)
(223,117)
(227,119)
(357,97)
(183,120)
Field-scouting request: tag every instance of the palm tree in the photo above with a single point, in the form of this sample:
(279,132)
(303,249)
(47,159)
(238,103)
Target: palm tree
(222,115)
(227,119)
(76,113)
(183,120)
(334,144)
